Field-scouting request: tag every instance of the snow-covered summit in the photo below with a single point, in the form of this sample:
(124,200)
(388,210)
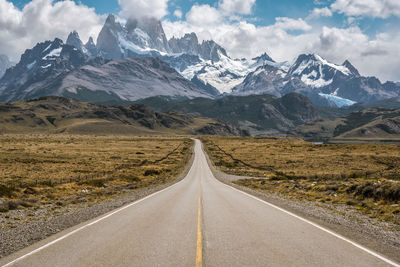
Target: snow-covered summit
(317,72)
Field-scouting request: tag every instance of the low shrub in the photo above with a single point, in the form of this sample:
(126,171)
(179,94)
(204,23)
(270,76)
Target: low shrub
(388,192)
(94,182)
(6,191)
(130,178)
(151,172)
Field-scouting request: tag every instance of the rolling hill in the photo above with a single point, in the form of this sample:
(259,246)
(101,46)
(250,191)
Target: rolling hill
(69,116)
(367,124)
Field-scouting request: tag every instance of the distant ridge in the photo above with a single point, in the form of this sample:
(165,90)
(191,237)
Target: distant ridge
(69,116)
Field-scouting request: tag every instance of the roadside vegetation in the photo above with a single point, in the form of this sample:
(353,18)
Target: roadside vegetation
(363,176)
(58,170)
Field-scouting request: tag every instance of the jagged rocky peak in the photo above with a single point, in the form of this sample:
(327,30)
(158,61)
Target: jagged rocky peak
(42,51)
(191,38)
(47,54)
(210,50)
(146,36)
(352,69)
(108,39)
(74,40)
(137,37)
(148,32)
(112,23)
(264,58)
(91,48)
(187,44)
(90,42)
(312,67)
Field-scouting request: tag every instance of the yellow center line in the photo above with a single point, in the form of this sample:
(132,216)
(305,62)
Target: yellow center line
(199,254)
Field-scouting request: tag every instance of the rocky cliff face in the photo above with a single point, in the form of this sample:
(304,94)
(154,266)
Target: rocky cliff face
(53,68)
(39,69)
(75,41)
(108,39)
(91,48)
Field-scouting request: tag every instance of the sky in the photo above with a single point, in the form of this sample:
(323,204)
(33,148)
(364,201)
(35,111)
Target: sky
(366,32)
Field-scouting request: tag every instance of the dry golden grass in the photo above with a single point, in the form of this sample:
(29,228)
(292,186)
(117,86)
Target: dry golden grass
(45,169)
(366,176)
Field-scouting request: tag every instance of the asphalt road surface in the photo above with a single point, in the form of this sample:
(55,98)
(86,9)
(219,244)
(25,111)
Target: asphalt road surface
(197,222)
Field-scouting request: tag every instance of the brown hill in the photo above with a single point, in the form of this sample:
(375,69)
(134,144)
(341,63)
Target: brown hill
(63,115)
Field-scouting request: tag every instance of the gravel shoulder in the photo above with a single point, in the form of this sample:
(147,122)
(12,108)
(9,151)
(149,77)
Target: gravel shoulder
(31,226)
(380,236)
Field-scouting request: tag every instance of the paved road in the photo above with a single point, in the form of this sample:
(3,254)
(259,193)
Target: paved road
(197,222)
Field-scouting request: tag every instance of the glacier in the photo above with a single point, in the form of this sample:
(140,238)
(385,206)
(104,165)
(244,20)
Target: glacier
(339,101)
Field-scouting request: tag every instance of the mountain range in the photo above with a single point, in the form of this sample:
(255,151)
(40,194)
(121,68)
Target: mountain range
(136,61)
(257,114)
(55,68)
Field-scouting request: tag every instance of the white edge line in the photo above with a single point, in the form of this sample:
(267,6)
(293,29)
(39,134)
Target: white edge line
(373,253)
(94,222)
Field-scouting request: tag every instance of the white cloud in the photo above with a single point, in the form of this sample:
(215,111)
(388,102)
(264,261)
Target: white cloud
(320,12)
(373,56)
(237,6)
(369,8)
(143,8)
(292,24)
(178,13)
(203,15)
(244,39)
(42,20)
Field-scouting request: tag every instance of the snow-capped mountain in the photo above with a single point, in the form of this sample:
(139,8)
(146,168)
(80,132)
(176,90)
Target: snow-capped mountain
(206,61)
(223,74)
(342,81)
(30,75)
(130,79)
(317,78)
(5,63)
(136,38)
(315,71)
(58,68)
(210,66)
(55,68)
(269,79)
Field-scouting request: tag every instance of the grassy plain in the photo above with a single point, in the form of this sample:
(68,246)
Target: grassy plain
(36,170)
(364,176)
